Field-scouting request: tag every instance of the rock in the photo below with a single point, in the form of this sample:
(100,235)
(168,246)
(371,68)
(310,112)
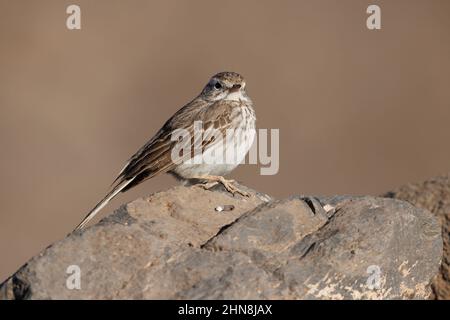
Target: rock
(175,245)
(433,195)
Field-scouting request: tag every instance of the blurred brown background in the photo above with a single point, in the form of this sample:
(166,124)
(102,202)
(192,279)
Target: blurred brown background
(359,111)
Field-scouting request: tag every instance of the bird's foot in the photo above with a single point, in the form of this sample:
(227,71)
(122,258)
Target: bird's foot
(228,184)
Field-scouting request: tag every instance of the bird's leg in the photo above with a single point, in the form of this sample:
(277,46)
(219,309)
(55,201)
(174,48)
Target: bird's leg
(228,184)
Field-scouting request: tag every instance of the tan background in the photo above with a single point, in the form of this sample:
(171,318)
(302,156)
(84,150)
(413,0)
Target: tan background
(359,111)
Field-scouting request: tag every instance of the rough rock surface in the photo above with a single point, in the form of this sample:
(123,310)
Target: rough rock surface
(175,245)
(433,195)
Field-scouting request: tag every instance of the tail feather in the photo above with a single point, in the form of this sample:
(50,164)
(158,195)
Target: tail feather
(103,203)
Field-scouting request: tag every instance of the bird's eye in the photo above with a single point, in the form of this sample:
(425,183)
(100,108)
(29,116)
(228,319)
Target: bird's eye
(218,85)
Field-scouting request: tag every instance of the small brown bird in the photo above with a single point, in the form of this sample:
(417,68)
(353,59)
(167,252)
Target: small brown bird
(222,105)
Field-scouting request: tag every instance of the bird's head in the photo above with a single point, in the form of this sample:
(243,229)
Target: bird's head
(225,86)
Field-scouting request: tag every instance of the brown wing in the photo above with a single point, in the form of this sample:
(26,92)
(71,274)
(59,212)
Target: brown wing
(156,155)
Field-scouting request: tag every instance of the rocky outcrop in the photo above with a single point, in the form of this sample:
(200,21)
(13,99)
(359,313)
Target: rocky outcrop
(433,195)
(188,243)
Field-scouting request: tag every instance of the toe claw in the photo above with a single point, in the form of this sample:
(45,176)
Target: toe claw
(227,184)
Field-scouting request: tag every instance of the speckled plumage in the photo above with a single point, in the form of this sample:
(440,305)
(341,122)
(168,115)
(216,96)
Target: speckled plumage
(223,105)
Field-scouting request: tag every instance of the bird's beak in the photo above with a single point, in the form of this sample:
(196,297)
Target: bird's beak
(235,88)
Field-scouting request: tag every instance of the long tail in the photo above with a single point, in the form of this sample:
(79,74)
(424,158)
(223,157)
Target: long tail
(103,203)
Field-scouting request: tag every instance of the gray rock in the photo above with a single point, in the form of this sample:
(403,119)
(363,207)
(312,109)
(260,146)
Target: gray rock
(433,195)
(175,245)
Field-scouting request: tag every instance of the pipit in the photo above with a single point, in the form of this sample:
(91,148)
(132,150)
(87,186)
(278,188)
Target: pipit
(224,106)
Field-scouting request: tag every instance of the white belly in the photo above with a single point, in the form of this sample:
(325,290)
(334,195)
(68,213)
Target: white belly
(222,158)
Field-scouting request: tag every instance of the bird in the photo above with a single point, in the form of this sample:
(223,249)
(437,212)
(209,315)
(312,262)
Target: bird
(224,107)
